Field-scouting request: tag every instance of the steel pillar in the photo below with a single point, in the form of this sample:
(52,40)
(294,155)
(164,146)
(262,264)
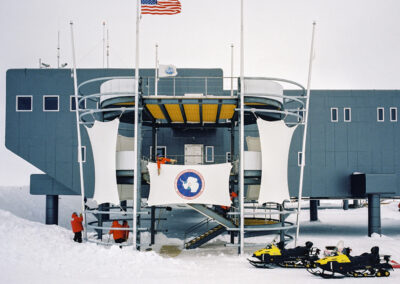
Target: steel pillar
(374,214)
(345,204)
(51,209)
(313,210)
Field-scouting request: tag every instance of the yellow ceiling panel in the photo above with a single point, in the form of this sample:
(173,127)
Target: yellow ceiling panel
(210,113)
(155,111)
(174,112)
(192,112)
(227,111)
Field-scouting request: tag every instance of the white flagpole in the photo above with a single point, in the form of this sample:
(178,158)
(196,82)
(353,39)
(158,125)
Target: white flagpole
(241,177)
(78,131)
(303,150)
(104,44)
(156,73)
(135,158)
(232,70)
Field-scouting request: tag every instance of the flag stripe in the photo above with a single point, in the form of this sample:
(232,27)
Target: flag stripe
(168,7)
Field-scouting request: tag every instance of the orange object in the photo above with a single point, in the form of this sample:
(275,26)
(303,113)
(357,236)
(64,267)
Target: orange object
(117,234)
(233,195)
(126,233)
(76,223)
(162,161)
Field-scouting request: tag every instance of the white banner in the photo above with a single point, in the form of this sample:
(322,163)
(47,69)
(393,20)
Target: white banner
(167,71)
(103,138)
(275,138)
(197,184)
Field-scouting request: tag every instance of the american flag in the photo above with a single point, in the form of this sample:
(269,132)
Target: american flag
(161,7)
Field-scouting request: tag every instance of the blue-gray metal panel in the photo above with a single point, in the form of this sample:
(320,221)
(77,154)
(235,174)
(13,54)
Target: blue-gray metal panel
(380,183)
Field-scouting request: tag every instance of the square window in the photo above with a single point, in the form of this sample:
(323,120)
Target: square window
(209,154)
(380,113)
(347,114)
(24,103)
(334,114)
(82,105)
(50,103)
(393,114)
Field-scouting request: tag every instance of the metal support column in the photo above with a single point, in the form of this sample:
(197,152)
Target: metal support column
(138,175)
(232,182)
(152,225)
(345,204)
(374,214)
(313,210)
(51,209)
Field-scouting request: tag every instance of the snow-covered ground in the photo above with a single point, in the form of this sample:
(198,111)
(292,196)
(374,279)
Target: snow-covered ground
(31,252)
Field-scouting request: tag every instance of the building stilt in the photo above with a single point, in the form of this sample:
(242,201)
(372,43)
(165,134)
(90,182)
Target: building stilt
(374,214)
(51,209)
(313,210)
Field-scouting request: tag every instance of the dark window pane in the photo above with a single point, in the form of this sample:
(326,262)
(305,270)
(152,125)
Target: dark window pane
(209,154)
(347,114)
(24,103)
(334,114)
(51,103)
(393,114)
(380,114)
(72,103)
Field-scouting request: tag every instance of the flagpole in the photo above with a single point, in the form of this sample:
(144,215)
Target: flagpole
(156,73)
(78,132)
(135,158)
(303,150)
(241,177)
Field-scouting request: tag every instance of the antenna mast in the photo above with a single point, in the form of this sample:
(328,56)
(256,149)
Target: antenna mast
(108,50)
(58,49)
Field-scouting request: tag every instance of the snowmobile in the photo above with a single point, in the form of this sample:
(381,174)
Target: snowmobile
(344,265)
(277,255)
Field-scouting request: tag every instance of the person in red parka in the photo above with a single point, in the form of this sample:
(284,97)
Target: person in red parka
(126,233)
(77,228)
(118,235)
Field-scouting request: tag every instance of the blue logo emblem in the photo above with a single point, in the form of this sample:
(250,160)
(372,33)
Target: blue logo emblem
(169,70)
(189,184)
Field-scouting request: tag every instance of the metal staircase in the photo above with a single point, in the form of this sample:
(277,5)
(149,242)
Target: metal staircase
(204,238)
(213,215)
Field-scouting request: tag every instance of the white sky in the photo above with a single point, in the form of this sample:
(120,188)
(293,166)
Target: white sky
(357,42)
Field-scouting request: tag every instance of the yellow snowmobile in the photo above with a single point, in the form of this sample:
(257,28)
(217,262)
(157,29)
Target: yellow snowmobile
(342,263)
(277,255)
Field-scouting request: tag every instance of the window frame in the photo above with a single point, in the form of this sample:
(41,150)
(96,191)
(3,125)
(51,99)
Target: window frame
(51,96)
(344,114)
(83,154)
(158,147)
(337,114)
(383,114)
(23,96)
(212,154)
(395,109)
(72,98)
(299,158)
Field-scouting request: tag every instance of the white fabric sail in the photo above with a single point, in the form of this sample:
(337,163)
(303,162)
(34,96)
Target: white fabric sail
(196,184)
(103,138)
(275,138)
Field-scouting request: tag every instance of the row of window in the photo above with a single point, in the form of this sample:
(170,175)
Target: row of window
(380,114)
(50,103)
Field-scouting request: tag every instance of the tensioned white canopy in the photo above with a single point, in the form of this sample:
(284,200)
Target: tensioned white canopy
(103,138)
(275,138)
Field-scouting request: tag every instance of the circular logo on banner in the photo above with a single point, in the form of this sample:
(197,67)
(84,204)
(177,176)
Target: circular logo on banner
(189,184)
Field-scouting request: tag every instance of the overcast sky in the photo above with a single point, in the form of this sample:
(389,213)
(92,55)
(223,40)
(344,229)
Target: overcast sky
(357,42)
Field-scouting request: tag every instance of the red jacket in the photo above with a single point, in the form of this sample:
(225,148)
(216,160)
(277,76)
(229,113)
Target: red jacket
(117,234)
(126,233)
(76,223)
